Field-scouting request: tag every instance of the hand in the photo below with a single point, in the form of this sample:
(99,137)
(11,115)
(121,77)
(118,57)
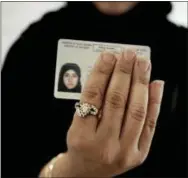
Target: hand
(121,139)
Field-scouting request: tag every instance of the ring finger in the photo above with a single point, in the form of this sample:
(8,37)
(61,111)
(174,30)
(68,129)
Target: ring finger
(94,88)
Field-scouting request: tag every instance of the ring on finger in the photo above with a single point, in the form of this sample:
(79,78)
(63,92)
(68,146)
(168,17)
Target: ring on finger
(84,109)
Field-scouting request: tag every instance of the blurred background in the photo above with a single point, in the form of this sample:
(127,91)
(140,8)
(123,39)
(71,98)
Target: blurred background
(16,16)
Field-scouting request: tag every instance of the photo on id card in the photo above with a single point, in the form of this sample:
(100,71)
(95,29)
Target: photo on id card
(75,59)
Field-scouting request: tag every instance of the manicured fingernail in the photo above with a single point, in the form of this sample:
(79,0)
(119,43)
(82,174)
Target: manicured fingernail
(109,57)
(129,54)
(144,64)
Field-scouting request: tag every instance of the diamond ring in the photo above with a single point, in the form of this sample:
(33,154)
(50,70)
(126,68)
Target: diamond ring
(84,109)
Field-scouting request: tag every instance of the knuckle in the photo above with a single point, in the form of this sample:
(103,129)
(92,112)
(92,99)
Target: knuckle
(143,80)
(126,69)
(137,112)
(104,67)
(103,70)
(76,140)
(93,94)
(154,100)
(115,99)
(151,123)
(78,143)
(75,143)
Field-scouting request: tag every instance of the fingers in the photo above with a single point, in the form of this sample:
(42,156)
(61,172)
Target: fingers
(117,94)
(155,97)
(138,101)
(98,79)
(95,86)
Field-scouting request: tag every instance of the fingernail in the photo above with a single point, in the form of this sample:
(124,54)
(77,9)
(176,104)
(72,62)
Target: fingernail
(129,54)
(108,56)
(144,64)
(118,56)
(160,83)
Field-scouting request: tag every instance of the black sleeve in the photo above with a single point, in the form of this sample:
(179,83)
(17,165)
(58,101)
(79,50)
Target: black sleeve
(176,134)
(20,148)
(180,112)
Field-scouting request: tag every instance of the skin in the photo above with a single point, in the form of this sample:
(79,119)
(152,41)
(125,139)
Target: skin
(121,139)
(114,8)
(70,79)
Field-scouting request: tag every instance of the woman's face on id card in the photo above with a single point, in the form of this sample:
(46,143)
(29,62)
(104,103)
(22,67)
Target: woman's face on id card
(70,79)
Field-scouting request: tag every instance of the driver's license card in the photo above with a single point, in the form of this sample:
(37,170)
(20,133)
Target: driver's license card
(75,59)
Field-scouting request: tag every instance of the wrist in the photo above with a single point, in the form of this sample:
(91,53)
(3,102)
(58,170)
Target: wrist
(48,169)
(66,166)
(62,167)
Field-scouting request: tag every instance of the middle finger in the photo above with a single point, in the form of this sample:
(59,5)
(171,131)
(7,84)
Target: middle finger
(117,94)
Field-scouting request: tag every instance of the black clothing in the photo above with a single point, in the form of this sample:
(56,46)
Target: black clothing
(34,123)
